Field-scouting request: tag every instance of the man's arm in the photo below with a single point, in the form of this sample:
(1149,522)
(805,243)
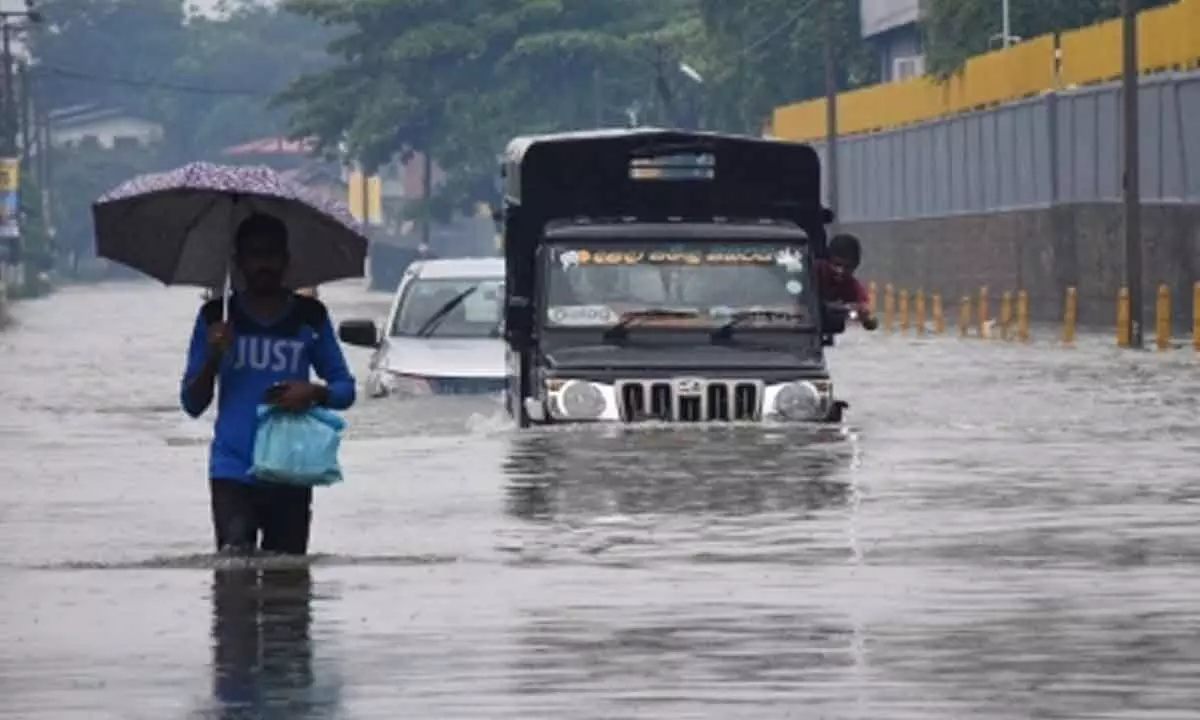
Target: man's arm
(200,375)
(863,300)
(330,364)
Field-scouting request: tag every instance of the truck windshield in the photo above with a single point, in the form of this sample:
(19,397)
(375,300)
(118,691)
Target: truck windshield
(707,282)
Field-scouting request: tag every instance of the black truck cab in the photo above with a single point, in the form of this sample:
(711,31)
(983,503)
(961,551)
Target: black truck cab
(656,275)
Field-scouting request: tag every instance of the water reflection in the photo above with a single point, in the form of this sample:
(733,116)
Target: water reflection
(668,660)
(668,471)
(262,645)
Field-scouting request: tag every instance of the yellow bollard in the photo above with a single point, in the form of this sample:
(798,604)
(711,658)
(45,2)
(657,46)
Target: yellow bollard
(939,320)
(1162,318)
(1123,317)
(1070,306)
(1023,316)
(1005,314)
(889,308)
(1196,316)
(871,290)
(983,312)
(903,310)
(920,311)
(964,315)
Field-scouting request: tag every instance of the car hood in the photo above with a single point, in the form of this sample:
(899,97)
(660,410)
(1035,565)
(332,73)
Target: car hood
(707,357)
(446,357)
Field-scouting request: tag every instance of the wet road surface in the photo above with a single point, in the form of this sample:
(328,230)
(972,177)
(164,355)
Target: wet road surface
(1005,532)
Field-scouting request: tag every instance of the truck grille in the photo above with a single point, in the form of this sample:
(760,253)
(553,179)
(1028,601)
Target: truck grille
(690,400)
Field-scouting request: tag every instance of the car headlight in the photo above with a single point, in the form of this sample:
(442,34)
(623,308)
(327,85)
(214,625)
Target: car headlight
(579,400)
(801,400)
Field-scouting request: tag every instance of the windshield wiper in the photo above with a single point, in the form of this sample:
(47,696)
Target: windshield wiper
(725,332)
(436,319)
(621,329)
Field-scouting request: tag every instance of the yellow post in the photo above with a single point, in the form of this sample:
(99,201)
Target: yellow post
(903,310)
(983,311)
(1196,316)
(871,290)
(1023,316)
(1162,318)
(920,311)
(1006,309)
(889,308)
(939,320)
(1070,306)
(964,315)
(1123,317)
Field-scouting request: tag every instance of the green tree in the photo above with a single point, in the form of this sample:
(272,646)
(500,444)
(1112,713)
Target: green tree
(455,78)
(80,176)
(954,30)
(84,44)
(765,53)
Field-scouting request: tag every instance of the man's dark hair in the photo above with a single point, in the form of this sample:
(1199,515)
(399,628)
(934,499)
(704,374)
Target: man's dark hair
(846,247)
(261,225)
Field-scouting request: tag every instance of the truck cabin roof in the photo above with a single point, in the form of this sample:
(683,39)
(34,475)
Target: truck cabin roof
(653,175)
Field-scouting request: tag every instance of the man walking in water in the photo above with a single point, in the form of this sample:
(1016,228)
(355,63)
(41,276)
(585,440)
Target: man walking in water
(264,352)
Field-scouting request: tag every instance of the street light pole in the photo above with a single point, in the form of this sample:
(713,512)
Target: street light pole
(1006,28)
(1132,185)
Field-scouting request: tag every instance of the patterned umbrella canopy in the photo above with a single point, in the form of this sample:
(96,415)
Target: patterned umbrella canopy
(178,226)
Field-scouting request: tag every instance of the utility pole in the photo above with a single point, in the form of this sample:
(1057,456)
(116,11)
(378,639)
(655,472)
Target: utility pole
(831,97)
(1133,200)
(26,115)
(1006,26)
(426,193)
(597,99)
(10,160)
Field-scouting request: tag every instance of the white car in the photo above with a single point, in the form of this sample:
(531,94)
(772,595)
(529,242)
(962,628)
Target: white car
(442,334)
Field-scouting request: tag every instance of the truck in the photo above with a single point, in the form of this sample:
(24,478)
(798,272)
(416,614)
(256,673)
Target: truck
(665,276)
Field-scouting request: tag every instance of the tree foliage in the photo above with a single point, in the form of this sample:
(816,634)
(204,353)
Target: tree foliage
(954,30)
(208,81)
(456,78)
(761,54)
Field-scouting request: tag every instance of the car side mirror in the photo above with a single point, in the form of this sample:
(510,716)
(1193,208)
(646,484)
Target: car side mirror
(362,333)
(827,216)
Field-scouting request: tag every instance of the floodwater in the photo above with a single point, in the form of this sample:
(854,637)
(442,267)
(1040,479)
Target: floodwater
(1004,532)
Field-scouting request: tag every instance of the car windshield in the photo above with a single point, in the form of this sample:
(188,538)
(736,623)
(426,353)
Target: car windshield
(598,284)
(476,315)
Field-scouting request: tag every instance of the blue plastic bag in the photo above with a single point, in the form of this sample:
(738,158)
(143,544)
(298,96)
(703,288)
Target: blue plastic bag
(298,448)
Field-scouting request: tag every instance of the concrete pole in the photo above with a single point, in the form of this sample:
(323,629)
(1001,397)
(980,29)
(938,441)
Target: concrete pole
(1133,200)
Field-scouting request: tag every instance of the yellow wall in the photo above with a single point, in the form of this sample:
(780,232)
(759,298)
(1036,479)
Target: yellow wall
(1168,36)
(365,197)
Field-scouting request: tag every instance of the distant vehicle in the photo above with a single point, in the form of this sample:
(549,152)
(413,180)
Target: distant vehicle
(442,334)
(665,276)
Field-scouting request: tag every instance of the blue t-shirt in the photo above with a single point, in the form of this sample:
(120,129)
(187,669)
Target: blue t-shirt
(263,353)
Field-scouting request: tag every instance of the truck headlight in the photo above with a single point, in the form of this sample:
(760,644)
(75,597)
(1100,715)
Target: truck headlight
(801,400)
(579,400)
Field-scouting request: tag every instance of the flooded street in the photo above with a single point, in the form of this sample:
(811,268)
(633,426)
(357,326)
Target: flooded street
(1005,532)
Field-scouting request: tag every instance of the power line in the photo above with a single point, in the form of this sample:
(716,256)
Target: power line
(80,76)
(786,24)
